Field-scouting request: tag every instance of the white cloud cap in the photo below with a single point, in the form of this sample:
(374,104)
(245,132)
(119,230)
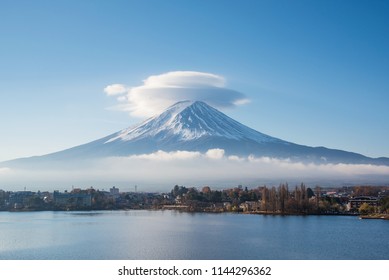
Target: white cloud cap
(185,79)
(161,91)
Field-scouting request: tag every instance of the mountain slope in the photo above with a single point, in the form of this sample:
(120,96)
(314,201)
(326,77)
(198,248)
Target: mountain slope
(189,120)
(196,126)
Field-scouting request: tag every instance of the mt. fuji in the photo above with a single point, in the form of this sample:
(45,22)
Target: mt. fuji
(196,126)
(191,126)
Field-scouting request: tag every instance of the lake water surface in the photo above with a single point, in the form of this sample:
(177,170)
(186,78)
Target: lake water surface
(145,235)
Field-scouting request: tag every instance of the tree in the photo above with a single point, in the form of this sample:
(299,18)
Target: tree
(178,190)
(264,199)
(317,195)
(366,191)
(273,199)
(384,202)
(215,196)
(365,209)
(283,194)
(310,193)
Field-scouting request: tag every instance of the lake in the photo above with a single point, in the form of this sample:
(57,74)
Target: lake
(164,235)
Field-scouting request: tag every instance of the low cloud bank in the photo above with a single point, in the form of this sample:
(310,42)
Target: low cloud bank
(257,164)
(5,170)
(162,170)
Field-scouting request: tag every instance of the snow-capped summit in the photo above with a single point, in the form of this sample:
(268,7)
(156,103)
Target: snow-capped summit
(191,120)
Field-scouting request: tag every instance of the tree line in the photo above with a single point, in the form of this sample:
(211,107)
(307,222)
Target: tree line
(299,199)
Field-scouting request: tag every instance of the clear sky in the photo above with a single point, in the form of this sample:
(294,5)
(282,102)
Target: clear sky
(315,72)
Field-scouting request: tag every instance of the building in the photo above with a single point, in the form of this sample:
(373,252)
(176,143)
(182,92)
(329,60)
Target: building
(3,198)
(114,191)
(20,199)
(72,199)
(249,206)
(356,202)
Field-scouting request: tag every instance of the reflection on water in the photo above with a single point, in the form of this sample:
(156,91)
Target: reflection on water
(174,235)
(85,213)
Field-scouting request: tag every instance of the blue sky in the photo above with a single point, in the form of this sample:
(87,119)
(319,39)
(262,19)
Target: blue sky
(315,72)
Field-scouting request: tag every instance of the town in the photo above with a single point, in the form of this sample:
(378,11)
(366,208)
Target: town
(366,201)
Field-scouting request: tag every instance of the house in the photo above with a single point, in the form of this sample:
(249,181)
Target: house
(72,199)
(20,199)
(249,206)
(356,202)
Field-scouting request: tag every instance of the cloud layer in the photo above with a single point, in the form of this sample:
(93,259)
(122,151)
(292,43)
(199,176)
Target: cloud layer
(161,91)
(161,170)
(4,170)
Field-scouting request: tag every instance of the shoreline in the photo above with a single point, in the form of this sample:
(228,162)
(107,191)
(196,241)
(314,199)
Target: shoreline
(375,217)
(184,209)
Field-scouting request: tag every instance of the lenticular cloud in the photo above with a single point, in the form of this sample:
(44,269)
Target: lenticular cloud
(161,91)
(185,79)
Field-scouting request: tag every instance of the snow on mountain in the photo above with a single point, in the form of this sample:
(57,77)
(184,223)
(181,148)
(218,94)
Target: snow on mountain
(196,126)
(189,120)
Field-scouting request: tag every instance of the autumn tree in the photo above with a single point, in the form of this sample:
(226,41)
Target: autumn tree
(384,202)
(283,195)
(264,199)
(365,209)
